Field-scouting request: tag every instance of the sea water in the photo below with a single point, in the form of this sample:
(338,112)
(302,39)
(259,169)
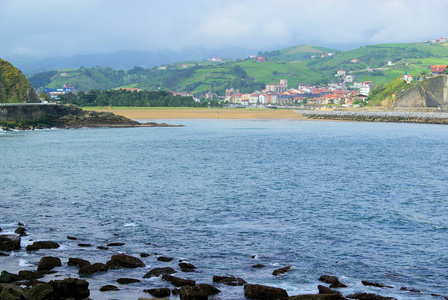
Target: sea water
(361,201)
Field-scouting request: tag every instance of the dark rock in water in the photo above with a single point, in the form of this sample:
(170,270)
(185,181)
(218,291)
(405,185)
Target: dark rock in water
(144,254)
(20,224)
(71,238)
(102,248)
(72,261)
(69,288)
(178,281)
(21,231)
(198,292)
(9,242)
(84,245)
(115,244)
(258,266)
(326,290)
(11,292)
(42,245)
(158,292)
(333,280)
(368,296)
(317,297)
(127,280)
(229,280)
(164,258)
(3,254)
(159,271)
(281,271)
(6,277)
(108,287)
(91,269)
(375,284)
(186,267)
(48,263)
(175,291)
(411,290)
(264,292)
(1,229)
(28,275)
(124,261)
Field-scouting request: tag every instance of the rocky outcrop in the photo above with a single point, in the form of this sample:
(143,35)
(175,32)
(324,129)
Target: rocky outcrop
(48,263)
(42,245)
(124,261)
(198,292)
(14,87)
(9,242)
(229,280)
(264,292)
(178,281)
(159,271)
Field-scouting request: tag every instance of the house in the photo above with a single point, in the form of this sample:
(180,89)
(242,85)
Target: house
(367,83)
(215,59)
(438,69)
(349,78)
(253,56)
(162,67)
(355,61)
(63,74)
(278,88)
(364,90)
(340,73)
(407,78)
(261,59)
(390,63)
(184,66)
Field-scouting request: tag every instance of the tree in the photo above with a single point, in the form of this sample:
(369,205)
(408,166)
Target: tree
(45,96)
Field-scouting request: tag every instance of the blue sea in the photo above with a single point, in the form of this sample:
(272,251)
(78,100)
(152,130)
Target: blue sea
(360,201)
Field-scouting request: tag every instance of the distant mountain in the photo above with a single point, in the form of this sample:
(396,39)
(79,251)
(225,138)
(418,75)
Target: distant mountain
(14,87)
(307,64)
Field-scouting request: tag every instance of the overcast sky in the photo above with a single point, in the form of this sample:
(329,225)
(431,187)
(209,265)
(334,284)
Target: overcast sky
(45,28)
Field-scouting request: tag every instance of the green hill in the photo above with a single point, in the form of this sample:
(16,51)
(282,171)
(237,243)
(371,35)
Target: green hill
(14,87)
(299,64)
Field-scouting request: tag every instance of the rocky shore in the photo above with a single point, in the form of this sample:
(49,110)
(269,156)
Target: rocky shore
(66,116)
(39,282)
(362,116)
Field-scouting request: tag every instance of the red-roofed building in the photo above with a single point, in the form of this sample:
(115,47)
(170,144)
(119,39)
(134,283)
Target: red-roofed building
(438,69)
(261,59)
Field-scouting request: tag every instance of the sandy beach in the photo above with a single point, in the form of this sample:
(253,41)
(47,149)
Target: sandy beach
(204,113)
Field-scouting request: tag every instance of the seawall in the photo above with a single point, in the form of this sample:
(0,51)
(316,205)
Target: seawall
(28,113)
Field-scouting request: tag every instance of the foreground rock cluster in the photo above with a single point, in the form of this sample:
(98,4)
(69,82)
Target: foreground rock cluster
(31,285)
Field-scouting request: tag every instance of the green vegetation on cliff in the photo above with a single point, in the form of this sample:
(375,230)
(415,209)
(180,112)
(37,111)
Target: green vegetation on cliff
(14,87)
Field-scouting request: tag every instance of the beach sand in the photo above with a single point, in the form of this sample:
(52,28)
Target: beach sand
(206,113)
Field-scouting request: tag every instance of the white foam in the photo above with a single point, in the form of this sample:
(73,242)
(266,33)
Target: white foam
(130,225)
(24,263)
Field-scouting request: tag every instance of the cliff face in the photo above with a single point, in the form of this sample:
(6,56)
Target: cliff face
(14,87)
(433,92)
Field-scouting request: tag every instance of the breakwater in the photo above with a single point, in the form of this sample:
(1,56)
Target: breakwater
(391,116)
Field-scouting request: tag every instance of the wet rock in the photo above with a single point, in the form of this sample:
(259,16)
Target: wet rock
(28,275)
(264,292)
(178,281)
(258,266)
(1,229)
(11,292)
(164,258)
(158,292)
(368,283)
(42,245)
(84,245)
(412,290)
(48,263)
(21,231)
(368,296)
(317,297)
(159,271)
(20,224)
(9,242)
(281,271)
(333,280)
(108,287)
(186,267)
(198,292)
(70,288)
(229,280)
(72,261)
(40,292)
(102,248)
(325,290)
(127,280)
(175,291)
(3,254)
(115,244)
(124,261)
(71,238)
(92,269)
(144,254)
(6,277)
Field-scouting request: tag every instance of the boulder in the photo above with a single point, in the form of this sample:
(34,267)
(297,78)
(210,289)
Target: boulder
(6,277)
(115,244)
(20,224)
(368,283)
(368,296)
(124,261)
(410,290)
(127,280)
(9,242)
(71,238)
(3,254)
(42,245)
(158,292)
(73,261)
(326,291)
(144,254)
(229,280)
(159,271)
(40,291)
(102,248)
(28,275)
(21,231)
(258,266)
(48,263)
(333,280)
(11,292)
(84,245)
(198,292)
(178,281)
(281,271)
(264,292)
(317,297)
(164,258)
(186,267)
(70,288)
(92,269)
(108,287)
